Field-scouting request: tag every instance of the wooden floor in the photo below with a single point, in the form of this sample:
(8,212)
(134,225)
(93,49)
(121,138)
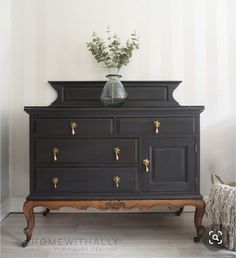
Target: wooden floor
(105,235)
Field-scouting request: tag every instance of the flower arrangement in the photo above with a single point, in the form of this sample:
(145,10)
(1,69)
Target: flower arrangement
(111,52)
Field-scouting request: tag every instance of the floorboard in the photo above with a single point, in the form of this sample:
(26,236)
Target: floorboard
(161,235)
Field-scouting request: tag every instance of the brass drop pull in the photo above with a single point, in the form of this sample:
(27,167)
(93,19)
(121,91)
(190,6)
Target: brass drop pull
(117,152)
(157,124)
(73,126)
(55,152)
(146,163)
(116,180)
(55,181)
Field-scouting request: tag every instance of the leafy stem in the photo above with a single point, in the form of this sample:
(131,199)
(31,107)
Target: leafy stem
(111,52)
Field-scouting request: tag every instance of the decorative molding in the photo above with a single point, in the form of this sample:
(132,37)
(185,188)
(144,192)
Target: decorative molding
(16,204)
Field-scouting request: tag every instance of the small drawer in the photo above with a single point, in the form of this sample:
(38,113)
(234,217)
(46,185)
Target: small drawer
(156,126)
(86,151)
(73,127)
(86,180)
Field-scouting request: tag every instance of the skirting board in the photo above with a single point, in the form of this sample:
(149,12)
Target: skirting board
(5,208)
(15,204)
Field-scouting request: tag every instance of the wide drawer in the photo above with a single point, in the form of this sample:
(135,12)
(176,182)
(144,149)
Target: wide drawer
(156,126)
(86,151)
(86,180)
(73,127)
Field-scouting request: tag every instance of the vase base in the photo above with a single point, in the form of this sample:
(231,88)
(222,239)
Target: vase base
(113,103)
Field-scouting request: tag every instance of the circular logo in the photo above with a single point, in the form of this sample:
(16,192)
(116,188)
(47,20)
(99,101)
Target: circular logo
(213,237)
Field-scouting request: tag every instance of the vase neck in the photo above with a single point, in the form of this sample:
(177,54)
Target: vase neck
(113,76)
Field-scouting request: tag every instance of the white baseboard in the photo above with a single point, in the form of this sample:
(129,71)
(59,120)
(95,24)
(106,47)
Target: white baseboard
(16,205)
(5,209)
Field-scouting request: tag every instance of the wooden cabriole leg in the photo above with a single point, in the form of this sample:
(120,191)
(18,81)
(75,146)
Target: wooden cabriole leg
(198,216)
(29,215)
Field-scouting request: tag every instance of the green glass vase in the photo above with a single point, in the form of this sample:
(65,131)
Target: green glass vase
(114,93)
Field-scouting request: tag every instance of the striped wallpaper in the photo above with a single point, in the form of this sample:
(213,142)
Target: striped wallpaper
(189,40)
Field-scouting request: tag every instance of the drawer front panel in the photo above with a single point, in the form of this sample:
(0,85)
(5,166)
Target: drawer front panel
(86,180)
(164,126)
(86,151)
(73,127)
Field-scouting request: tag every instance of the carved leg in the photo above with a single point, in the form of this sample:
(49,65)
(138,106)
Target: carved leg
(45,213)
(179,212)
(29,215)
(199,213)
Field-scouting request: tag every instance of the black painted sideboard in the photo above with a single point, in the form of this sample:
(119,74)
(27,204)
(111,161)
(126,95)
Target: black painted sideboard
(141,154)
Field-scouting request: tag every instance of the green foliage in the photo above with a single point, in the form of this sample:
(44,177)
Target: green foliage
(111,52)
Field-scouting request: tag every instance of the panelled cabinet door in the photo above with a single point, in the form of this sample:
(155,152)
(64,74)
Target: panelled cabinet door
(169,165)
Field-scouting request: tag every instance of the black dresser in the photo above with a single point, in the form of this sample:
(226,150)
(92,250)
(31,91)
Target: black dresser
(143,154)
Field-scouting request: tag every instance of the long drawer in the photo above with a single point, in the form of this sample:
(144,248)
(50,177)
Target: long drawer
(156,126)
(86,151)
(86,180)
(73,127)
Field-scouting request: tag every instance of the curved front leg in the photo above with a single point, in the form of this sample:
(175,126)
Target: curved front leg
(30,219)
(198,216)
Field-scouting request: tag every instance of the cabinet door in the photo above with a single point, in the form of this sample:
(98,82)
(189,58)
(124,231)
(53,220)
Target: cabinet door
(172,166)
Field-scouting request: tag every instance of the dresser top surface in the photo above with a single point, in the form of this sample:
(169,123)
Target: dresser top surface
(112,111)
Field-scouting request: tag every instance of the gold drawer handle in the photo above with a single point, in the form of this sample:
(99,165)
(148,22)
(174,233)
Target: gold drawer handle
(157,124)
(117,152)
(146,163)
(116,180)
(55,152)
(73,126)
(55,181)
